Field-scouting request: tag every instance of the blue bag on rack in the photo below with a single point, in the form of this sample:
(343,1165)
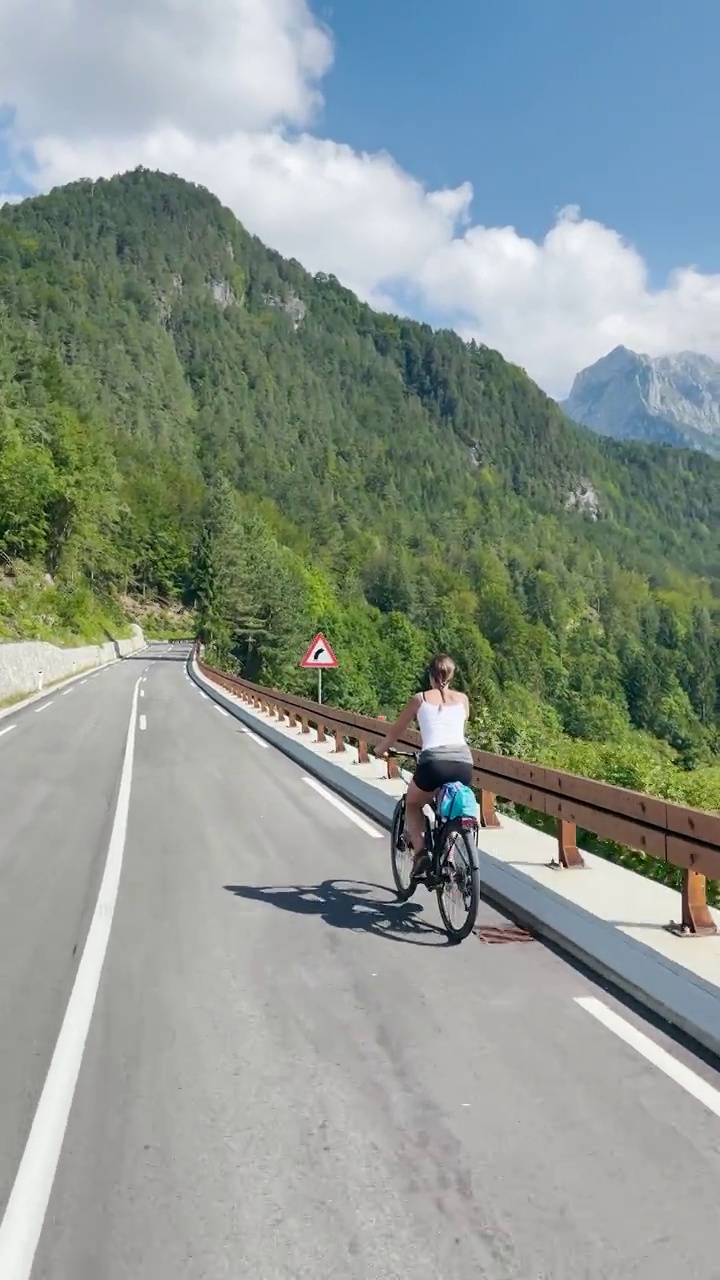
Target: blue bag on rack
(456,801)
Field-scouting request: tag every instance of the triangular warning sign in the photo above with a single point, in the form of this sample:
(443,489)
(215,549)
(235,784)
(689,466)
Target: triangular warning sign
(319,654)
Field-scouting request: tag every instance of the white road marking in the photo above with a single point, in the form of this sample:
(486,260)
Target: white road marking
(222,710)
(8,730)
(344,808)
(672,1067)
(260,741)
(143,723)
(44,707)
(142,693)
(25,1212)
(84,681)
(67,693)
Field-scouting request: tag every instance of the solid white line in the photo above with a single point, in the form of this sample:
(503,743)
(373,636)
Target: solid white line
(25,1213)
(349,813)
(8,730)
(44,707)
(143,722)
(672,1067)
(255,738)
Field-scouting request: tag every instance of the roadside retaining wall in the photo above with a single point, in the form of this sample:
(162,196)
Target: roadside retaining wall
(27,667)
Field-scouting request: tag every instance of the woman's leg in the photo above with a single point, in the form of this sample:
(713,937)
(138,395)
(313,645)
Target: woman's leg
(415,800)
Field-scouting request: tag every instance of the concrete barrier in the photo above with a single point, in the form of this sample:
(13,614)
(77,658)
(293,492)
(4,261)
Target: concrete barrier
(29,667)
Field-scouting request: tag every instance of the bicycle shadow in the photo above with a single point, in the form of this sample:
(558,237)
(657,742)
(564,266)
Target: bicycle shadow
(350,908)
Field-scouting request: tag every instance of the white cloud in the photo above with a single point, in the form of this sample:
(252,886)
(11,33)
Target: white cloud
(209,92)
(124,66)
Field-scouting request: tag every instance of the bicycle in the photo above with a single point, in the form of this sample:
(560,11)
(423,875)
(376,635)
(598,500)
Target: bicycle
(447,873)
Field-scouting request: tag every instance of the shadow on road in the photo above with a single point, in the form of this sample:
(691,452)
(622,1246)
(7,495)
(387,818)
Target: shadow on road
(350,904)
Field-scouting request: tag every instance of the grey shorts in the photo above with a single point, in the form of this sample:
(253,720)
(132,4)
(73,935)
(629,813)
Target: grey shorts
(435,768)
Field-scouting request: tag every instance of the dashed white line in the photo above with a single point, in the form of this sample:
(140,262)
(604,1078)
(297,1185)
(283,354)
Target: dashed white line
(142,693)
(344,808)
(260,742)
(22,1223)
(68,692)
(44,707)
(85,680)
(672,1067)
(222,710)
(9,729)
(143,723)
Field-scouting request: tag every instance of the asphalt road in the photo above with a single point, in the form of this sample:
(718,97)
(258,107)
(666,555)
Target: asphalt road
(287,1074)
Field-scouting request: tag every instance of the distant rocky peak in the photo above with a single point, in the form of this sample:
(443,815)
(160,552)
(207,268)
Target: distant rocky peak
(671,399)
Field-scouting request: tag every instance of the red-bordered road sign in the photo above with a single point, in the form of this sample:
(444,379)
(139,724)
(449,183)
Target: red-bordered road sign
(319,655)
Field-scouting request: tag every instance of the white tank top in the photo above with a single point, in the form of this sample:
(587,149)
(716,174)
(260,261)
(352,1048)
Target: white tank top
(441,725)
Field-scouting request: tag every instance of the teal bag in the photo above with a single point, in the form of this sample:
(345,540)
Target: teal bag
(456,801)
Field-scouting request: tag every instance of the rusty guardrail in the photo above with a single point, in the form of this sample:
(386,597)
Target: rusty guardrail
(687,839)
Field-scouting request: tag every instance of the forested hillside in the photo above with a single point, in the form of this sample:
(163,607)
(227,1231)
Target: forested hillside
(185,415)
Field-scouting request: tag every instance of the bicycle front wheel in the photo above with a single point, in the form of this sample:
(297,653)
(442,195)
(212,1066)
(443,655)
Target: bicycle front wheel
(401,855)
(459,890)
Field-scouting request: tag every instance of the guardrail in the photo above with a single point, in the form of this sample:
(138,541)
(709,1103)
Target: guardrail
(687,839)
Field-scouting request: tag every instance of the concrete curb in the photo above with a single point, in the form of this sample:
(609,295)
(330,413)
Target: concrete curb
(673,993)
(63,684)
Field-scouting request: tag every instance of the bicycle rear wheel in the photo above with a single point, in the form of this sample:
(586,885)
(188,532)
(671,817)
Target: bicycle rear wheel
(401,855)
(459,890)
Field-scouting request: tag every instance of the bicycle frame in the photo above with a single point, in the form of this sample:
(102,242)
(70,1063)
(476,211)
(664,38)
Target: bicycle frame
(435,832)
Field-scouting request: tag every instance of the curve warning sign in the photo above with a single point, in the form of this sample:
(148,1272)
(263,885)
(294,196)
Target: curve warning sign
(319,655)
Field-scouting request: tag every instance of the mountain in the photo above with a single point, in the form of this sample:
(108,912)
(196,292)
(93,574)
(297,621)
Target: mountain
(666,400)
(187,416)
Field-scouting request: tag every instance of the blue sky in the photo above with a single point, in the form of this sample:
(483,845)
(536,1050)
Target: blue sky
(612,106)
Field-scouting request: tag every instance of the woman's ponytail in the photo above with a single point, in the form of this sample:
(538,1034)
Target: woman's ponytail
(442,670)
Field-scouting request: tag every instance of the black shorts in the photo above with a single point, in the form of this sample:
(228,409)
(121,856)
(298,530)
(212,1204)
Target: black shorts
(434,771)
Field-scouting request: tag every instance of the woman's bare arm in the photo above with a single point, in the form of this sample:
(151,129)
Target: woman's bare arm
(403,722)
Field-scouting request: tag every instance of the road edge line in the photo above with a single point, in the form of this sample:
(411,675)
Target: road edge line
(24,1217)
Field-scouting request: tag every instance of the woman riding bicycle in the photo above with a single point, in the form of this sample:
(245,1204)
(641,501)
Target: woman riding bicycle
(441,714)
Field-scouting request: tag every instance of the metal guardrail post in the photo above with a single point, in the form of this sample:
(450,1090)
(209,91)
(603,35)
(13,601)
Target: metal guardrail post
(569,856)
(488,816)
(696,920)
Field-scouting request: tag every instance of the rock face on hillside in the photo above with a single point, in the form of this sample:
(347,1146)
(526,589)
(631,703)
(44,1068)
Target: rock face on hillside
(666,400)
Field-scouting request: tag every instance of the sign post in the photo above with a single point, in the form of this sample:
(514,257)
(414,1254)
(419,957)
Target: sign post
(319,657)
